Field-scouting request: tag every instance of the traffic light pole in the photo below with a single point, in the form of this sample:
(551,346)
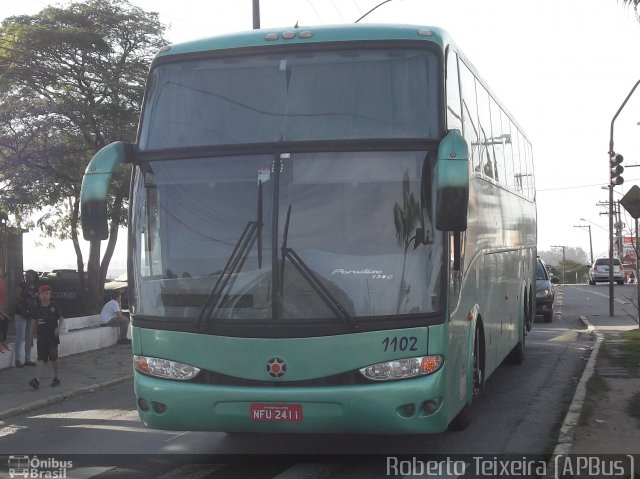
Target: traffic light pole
(612,156)
(611,309)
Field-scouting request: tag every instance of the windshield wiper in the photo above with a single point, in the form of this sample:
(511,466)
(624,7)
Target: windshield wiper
(234,264)
(251,233)
(308,274)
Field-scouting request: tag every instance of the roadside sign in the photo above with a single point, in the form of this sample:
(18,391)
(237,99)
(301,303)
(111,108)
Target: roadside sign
(631,201)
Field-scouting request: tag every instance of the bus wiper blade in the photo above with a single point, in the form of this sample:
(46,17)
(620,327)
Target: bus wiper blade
(322,291)
(308,274)
(251,233)
(234,264)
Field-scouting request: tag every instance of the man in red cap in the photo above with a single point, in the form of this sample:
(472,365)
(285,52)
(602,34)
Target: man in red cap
(48,317)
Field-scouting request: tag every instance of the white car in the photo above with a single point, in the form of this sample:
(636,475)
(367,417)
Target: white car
(600,271)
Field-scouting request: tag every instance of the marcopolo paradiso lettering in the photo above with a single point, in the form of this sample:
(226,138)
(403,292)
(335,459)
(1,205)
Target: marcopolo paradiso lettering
(374,273)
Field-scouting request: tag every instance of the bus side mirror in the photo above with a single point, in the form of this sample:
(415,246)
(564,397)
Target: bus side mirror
(95,188)
(452,183)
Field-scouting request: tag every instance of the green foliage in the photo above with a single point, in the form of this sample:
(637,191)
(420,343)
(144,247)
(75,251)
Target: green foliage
(575,264)
(635,4)
(71,81)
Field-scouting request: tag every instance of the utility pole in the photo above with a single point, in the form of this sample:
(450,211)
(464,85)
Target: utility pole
(563,260)
(617,225)
(256,14)
(590,242)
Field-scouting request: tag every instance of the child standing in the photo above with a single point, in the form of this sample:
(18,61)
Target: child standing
(48,319)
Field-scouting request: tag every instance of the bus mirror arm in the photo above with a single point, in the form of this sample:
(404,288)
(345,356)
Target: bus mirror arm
(95,188)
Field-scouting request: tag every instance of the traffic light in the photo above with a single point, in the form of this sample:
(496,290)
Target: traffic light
(616,169)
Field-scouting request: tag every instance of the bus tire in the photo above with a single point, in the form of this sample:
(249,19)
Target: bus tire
(516,355)
(463,418)
(528,310)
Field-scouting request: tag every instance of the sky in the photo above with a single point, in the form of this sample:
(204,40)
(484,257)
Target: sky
(561,67)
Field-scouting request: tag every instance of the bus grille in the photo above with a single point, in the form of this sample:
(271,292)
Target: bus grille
(345,379)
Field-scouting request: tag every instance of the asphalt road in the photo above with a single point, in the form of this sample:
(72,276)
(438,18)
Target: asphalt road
(519,412)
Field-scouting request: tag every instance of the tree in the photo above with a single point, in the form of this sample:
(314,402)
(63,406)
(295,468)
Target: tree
(635,3)
(554,256)
(71,81)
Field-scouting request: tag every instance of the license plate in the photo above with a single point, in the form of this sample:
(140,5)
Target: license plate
(275,412)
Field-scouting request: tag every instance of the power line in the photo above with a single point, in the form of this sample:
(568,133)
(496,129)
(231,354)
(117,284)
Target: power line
(316,11)
(538,190)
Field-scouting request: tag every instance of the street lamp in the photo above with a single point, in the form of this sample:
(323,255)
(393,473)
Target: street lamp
(590,242)
(563,259)
(594,224)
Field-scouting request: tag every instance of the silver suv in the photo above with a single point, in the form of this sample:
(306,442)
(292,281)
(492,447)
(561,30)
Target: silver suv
(600,271)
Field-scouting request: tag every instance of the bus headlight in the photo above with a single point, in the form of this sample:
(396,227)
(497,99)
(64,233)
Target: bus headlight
(403,368)
(163,368)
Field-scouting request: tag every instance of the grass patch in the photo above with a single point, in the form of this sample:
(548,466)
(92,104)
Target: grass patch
(633,407)
(630,352)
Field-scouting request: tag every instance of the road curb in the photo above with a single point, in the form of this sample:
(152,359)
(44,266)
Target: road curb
(60,397)
(567,430)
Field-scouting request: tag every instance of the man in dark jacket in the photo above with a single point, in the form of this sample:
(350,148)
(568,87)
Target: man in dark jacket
(48,318)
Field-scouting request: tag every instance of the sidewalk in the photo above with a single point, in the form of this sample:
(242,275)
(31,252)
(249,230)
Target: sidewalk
(79,373)
(599,420)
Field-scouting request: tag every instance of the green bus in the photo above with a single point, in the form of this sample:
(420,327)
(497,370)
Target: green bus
(332,229)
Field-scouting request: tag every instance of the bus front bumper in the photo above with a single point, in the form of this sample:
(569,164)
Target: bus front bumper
(400,407)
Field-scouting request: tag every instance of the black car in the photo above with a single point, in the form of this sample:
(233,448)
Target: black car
(545,291)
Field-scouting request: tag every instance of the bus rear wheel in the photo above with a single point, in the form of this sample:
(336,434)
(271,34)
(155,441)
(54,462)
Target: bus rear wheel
(516,355)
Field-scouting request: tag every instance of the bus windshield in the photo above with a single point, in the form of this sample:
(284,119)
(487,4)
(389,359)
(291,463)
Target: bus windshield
(344,94)
(333,236)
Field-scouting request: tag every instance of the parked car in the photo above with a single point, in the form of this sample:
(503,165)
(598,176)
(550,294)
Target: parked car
(65,290)
(545,291)
(65,284)
(600,271)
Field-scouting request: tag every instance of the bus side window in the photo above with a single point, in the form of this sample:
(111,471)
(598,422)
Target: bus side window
(454,111)
(471,129)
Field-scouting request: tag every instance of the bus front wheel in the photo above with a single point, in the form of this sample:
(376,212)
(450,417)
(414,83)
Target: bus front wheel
(463,418)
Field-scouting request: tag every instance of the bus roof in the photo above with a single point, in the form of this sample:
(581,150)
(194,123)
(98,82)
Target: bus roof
(315,34)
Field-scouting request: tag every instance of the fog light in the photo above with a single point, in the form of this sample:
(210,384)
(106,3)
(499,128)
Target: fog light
(143,404)
(407,410)
(431,406)
(159,408)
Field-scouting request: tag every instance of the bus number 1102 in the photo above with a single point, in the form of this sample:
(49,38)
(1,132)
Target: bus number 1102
(404,343)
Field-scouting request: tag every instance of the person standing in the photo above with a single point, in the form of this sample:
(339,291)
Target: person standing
(4,319)
(111,315)
(48,321)
(25,304)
